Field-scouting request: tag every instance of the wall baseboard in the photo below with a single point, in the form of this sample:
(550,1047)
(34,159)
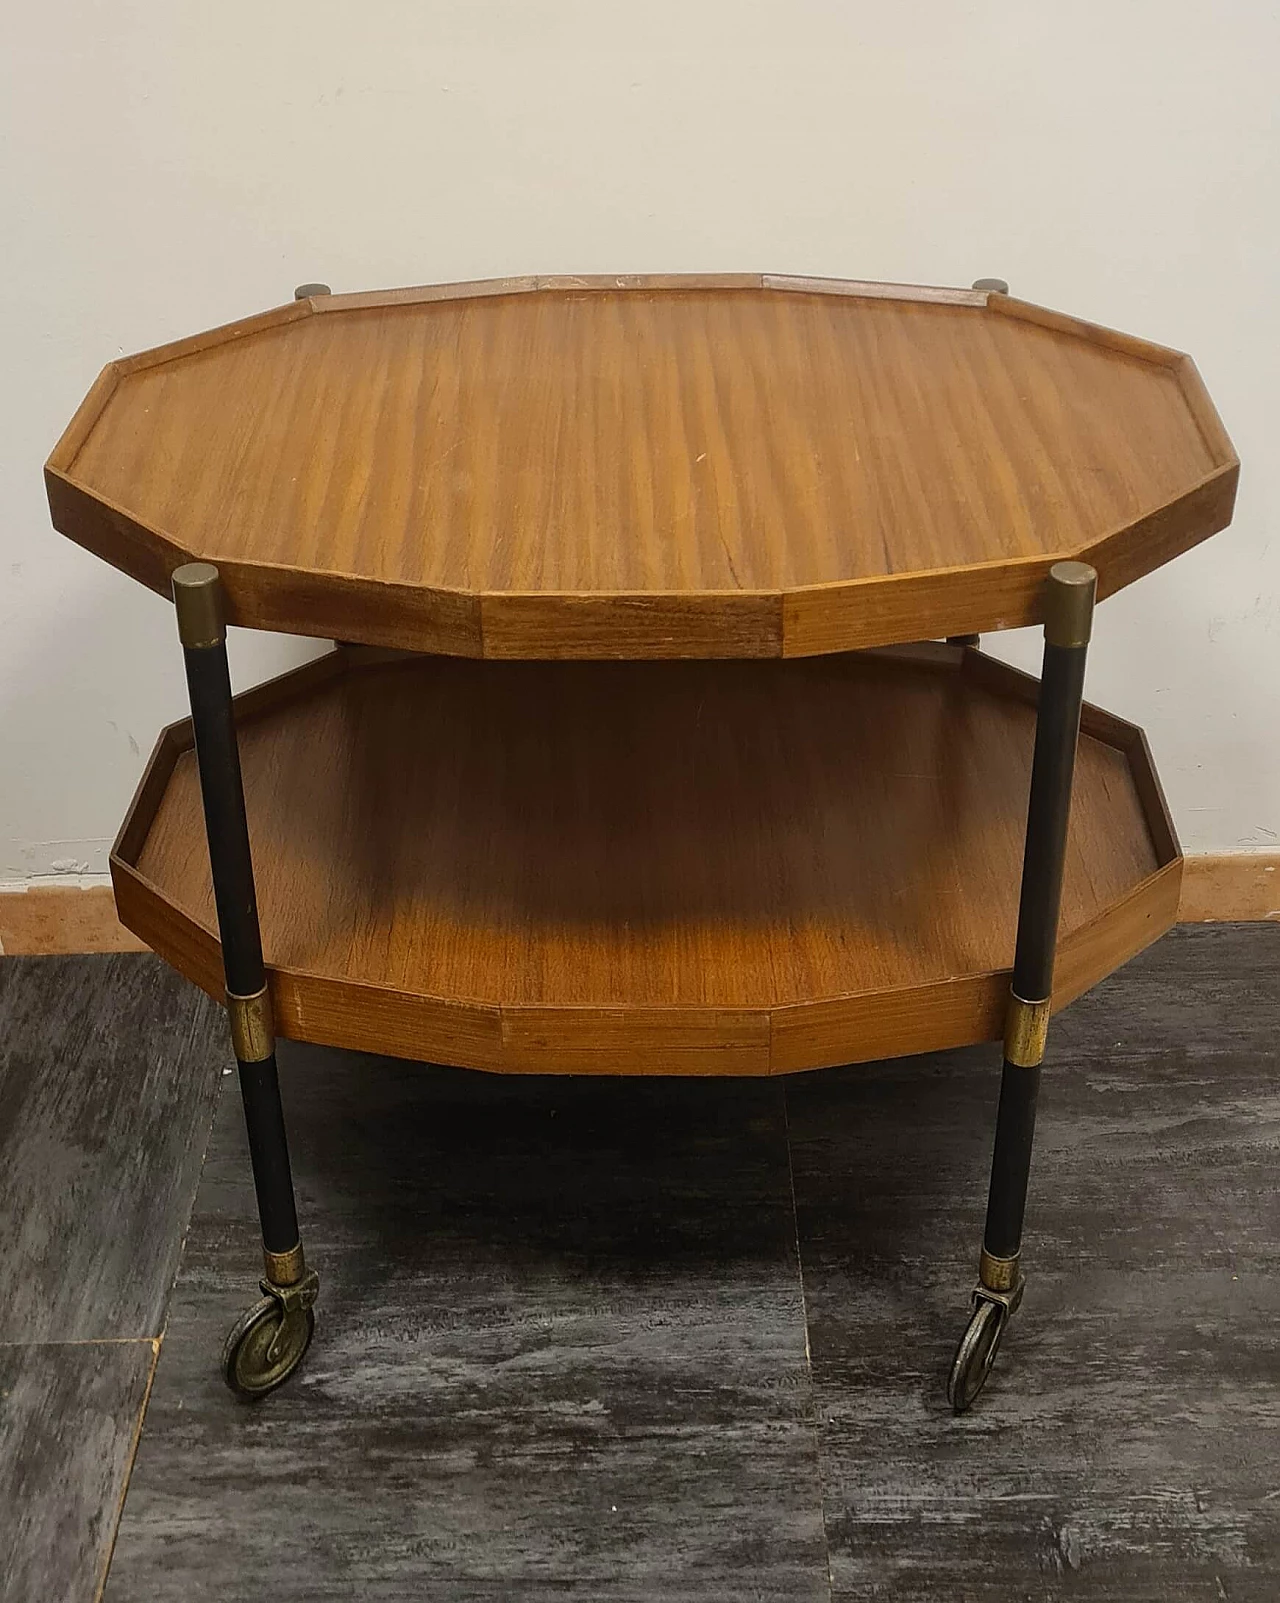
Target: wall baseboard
(44,920)
(48,919)
(1243,886)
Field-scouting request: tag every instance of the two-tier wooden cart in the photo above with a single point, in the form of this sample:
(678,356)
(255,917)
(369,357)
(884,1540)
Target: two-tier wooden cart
(657,740)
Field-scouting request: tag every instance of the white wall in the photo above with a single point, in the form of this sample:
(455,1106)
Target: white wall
(167,166)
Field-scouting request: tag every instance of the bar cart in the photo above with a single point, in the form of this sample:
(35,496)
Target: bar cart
(658,740)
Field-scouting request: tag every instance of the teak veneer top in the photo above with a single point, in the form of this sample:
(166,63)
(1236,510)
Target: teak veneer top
(683,867)
(745,466)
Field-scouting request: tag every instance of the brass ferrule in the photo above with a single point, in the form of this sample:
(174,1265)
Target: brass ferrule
(252,1030)
(197,599)
(1026,1029)
(285,1268)
(1068,607)
(998,1274)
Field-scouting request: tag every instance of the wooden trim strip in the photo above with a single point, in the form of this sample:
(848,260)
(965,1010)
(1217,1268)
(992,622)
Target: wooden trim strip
(651,281)
(926,1018)
(1137,548)
(187,946)
(131,837)
(1239,887)
(853,614)
(1155,804)
(57,920)
(870,289)
(1108,726)
(86,415)
(686,1040)
(884,1024)
(330,606)
(1202,409)
(274,317)
(262,595)
(1004,679)
(178,737)
(110,532)
(930,654)
(283,688)
(1096,333)
(368,1018)
(418,294)
(1131,925)
(483,288)
(730,623)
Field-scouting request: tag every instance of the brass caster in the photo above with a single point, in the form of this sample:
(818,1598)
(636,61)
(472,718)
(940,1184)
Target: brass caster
(976,1353)
(268,1342)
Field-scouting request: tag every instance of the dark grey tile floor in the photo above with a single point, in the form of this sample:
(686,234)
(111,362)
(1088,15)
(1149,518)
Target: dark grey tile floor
(678,1339)
(109,1073)
(563,1343)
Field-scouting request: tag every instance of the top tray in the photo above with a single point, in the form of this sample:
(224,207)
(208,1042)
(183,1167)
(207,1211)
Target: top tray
(746,466)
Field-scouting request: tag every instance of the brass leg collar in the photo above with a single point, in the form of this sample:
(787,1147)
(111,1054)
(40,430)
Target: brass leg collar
(1000,1280)
(253,1035)
(998,1274)
(285,1268)
(1026,1030)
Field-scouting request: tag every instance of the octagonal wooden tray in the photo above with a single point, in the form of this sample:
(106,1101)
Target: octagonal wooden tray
(743,466)
(702,867)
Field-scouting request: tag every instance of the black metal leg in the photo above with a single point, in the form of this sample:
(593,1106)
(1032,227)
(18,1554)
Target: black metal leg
(268,1343)
(1068,619)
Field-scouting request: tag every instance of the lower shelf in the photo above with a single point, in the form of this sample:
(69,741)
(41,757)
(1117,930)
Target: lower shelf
(653,868)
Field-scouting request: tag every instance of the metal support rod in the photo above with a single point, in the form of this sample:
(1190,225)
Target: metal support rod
(197,597)
(1068,618)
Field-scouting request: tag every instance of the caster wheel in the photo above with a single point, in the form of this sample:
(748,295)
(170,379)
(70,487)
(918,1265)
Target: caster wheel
(264,1348)
(976,1353)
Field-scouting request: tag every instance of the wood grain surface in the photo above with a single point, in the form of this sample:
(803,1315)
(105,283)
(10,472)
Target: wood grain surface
(622,467)
(731,868)
(1215,887)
